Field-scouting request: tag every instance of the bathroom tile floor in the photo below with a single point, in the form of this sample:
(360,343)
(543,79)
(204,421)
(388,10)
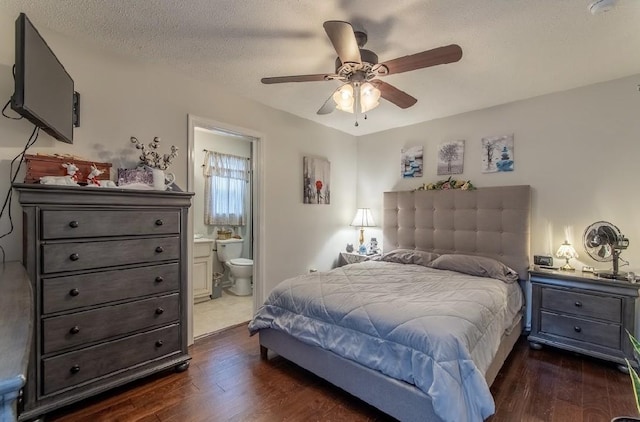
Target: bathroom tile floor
(220,313)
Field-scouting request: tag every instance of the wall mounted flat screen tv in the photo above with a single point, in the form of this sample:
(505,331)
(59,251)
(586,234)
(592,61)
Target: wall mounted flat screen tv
(44,91)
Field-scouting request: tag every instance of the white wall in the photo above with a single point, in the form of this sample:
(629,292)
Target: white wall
(578,149)
(123,98)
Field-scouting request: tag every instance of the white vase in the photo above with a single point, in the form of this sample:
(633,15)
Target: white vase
(162,179)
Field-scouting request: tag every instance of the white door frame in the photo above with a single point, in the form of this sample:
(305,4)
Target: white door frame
(257,151)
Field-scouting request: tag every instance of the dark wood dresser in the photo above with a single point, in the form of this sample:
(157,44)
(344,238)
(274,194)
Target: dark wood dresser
(583,313)
(109,273)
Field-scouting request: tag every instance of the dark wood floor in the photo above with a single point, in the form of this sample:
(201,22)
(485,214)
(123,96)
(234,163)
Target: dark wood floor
(227,381)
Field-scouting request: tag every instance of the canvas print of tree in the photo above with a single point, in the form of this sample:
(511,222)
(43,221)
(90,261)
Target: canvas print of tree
(316,174)
(411,162)
(497,154)
(451,158)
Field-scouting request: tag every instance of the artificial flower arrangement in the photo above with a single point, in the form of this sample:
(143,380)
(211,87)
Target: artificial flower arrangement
(635,379)
(150,157)
(448,184)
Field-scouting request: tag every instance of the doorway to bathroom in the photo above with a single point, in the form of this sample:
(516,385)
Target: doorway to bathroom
(223,281)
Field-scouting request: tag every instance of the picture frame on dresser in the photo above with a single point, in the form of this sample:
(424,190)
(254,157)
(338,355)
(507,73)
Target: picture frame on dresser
(108,270)
(583,313)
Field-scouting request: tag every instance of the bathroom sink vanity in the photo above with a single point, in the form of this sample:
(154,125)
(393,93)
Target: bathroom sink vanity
(202,269)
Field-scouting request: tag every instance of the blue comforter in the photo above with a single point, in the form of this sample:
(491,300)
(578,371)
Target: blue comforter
(435,329)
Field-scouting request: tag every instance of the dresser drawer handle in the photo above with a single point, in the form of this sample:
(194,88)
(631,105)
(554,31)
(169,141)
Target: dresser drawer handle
(74,330)
(159,311)
(159,222)
(577,329)
(578,304)
(159,343)
(74,257)
(75,369)
(159,249)
(159,279)
(73,224)
(74,292)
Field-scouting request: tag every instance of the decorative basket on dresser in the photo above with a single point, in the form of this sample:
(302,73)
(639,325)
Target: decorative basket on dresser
(108,269)
(583,313)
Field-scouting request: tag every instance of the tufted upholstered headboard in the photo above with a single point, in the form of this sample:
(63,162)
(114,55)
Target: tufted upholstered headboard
(492,222)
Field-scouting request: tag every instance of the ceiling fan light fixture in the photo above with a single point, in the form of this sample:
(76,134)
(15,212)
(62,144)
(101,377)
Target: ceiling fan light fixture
(344,97)
(369,97)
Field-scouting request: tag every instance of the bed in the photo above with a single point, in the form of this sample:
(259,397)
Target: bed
(421,333)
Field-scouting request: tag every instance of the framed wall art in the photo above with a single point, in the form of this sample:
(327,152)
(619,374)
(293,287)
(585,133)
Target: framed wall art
(497,154)
(411,162)
(316,180)
(451,158)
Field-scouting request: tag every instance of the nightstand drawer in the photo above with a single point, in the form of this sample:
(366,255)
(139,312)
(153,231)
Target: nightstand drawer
(72,330)
(65,224)
(87,255)
(73,368)
(593,306)
(594,332)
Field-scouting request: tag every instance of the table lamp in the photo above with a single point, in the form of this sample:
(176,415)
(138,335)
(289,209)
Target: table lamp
(567,252)
(363,219)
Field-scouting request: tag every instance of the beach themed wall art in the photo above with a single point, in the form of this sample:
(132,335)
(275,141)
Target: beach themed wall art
(497,154)
(411,162)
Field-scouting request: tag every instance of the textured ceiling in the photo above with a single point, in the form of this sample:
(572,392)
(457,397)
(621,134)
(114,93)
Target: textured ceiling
(512,49)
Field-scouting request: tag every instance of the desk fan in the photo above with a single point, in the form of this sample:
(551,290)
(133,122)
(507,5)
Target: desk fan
(604,242)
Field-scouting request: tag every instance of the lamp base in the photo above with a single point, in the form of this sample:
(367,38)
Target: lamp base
(567,267)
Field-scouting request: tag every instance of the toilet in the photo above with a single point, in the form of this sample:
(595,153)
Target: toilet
(240,269)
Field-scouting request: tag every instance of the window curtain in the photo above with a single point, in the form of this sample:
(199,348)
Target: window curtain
(226,180)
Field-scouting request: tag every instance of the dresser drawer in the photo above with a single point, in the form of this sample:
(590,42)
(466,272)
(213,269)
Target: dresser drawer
(593,306)
(76,367)
(86,255)
(607,335)
(65,224)
(65,293)
(72,330)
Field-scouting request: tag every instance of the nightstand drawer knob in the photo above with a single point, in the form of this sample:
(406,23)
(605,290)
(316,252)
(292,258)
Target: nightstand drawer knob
(74,292)
(75,369)
(73,224)
(578,304)
(577,329)
(159,279)
(74,330)
(159,222)
(159,311)
(159,343)
(159,249)
(74,257)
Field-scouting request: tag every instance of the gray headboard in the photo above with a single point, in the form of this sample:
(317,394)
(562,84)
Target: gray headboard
(492,222)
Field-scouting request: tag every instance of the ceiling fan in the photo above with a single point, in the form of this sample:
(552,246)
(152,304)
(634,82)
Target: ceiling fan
(359,69)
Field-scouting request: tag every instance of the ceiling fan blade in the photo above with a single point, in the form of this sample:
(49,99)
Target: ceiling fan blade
(393,94)
(344,41)
(328,106)
(441,55)
(297,78)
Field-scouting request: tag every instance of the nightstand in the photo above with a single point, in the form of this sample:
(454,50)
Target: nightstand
(583,313)
(353,258)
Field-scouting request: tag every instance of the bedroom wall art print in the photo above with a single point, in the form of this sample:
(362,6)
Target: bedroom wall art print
(497,154)
(316,175)
(411,162)
(451,158)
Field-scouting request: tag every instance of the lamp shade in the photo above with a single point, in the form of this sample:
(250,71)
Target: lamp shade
(567,251)
(363,218)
